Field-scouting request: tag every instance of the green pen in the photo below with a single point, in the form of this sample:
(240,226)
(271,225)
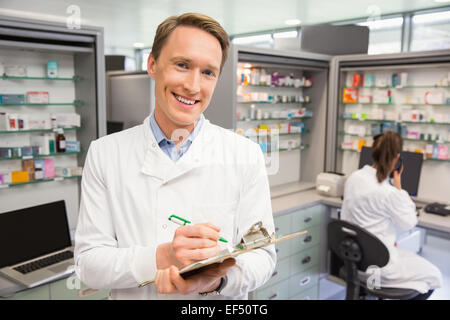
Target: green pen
(182,222)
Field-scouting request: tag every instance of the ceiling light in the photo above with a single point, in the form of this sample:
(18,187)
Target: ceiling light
(292,22)
(441,1)
(139,45)
(432,17)
(253,39)
(382,23)
(286,34)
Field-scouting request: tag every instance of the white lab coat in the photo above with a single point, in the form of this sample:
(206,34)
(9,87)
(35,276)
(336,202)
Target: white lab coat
(381,209)
(130,187)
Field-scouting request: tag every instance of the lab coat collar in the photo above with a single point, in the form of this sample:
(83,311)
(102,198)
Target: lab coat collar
(158,165)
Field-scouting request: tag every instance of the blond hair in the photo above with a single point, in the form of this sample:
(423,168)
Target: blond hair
(197,20)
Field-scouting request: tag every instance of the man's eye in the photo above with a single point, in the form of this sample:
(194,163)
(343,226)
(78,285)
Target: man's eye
(181,65)
(209,73)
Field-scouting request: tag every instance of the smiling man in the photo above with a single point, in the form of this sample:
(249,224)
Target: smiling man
(175,163)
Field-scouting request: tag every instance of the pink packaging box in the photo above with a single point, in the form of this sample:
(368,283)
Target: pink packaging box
(443,152)
(49,168)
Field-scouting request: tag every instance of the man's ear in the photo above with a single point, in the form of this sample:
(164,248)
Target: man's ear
(151,66)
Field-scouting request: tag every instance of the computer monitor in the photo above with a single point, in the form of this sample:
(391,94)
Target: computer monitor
(412,167)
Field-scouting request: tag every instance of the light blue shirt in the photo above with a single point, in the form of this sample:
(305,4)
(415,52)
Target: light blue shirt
(168,146)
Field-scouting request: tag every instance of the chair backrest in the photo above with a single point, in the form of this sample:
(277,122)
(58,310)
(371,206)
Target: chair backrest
(373,252)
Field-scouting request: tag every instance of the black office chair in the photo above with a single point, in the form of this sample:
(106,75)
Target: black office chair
(358,249)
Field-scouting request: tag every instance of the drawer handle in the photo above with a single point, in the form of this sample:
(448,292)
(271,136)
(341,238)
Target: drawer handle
(273,296)
(307,239)
(306,260)
(307,219)
(274,274)
(305,281)
(276,250)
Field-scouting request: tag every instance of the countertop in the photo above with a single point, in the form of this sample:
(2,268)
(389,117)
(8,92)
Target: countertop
(285,198)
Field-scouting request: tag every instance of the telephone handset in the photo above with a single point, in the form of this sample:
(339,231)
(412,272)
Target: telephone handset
(398,166)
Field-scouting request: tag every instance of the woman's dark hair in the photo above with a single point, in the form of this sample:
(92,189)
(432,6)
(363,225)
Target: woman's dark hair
(385,148)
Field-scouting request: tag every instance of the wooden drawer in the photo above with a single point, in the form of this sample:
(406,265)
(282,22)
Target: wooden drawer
(303,281)
(305,241)
(304,260)
(278,291)
(39,293)
(281,272)
(309,294)
(61,290)
(306,218)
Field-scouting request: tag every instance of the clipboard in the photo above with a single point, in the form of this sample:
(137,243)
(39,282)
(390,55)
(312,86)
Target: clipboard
(256,237)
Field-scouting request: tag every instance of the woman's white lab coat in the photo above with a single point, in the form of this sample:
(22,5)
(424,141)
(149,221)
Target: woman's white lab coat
(130,187)
(381,209)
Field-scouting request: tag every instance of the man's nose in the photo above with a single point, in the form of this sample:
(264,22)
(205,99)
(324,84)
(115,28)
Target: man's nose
(192,83)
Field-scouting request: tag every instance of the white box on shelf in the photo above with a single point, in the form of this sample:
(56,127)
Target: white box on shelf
(38,97)
(65,120)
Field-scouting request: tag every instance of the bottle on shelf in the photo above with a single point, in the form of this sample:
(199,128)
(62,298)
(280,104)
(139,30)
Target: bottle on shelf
(60,141)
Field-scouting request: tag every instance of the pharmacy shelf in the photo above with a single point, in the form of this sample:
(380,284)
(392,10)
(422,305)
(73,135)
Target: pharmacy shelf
(393,121)
(369,103)
(39,130)
(302,147)
(74,78)
(404,87)
(395,104)
(277,119)
(269,86)
(425,159)
(5,186)
(293,133)
(53,154)
(272,102)
(341,133)
(76,103)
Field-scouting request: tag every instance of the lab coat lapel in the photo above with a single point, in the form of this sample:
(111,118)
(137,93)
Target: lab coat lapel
(158,165)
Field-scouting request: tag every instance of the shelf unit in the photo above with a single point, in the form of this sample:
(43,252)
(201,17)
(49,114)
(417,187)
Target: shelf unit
(425,71)
(78,88)
(306,160)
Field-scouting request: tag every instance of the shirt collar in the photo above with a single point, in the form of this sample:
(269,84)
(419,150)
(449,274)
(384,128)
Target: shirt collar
(161,137)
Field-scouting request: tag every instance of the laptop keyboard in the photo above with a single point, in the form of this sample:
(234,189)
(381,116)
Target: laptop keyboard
(44,262)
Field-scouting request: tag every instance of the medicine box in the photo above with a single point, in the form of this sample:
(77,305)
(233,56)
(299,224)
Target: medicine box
(12,99)
(62,172)
(38,97)
(72,146)
(28,165)
(52,69)
(5,178)
(67,120)
(49,168)
(39,169)
(19,176)
(5,153)
(350,95)
(15,71)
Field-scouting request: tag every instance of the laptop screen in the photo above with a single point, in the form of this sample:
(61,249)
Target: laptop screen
(32,232)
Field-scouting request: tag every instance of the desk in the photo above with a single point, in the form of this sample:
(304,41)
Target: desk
(300,266)
(303,194)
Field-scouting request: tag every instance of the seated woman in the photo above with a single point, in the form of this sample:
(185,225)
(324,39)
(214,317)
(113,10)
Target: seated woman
(372,203)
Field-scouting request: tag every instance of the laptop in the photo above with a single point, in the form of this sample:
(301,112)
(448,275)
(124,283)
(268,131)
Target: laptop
(35,244)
